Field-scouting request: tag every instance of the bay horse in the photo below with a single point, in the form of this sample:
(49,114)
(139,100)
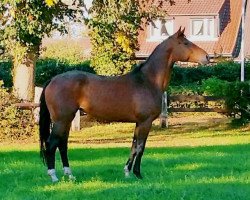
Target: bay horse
(133,97)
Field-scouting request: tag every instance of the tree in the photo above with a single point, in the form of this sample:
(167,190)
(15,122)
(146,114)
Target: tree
(114,27)
(23,25)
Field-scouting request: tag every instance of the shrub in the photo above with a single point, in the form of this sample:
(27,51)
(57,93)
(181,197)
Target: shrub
(237,98)
(214,86)
(236,95)
(15,124)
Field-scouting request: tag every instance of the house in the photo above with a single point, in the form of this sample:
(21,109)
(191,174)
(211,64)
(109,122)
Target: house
(247,31)
(214,25)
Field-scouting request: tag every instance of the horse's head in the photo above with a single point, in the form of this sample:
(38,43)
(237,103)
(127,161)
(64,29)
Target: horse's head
(186,51)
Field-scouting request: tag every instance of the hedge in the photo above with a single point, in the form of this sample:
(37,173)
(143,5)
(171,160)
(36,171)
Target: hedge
(191,77)
(45,70)
(227,71)
(48,68)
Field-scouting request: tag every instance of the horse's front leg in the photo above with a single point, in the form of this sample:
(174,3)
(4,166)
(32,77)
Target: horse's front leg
(138,146)
(143,131)
(130,161)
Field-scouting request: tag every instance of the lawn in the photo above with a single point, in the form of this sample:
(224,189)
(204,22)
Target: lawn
(205,160)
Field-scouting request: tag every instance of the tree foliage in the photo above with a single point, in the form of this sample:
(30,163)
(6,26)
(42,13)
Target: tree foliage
(113,33)
(114,28)
(25,22)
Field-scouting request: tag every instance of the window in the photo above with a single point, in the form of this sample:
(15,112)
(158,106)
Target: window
(202,29)
(197,27)
(161,29)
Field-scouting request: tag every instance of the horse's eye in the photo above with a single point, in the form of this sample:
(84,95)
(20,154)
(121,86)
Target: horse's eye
(186,43)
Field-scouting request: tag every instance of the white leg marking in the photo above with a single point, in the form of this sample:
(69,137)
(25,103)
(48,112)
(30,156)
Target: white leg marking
(126,171)
(52,174)
(68,172)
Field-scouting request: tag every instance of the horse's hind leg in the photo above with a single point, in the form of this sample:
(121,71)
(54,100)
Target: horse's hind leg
(63,149)
(58,135)
(51,146)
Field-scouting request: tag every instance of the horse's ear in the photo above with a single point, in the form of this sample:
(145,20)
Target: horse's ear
(183,31)
(180,33)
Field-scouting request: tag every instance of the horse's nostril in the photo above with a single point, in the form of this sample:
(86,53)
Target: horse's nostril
(208,58)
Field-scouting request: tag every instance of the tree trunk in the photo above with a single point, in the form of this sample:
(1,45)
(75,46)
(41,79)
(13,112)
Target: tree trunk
(23,78)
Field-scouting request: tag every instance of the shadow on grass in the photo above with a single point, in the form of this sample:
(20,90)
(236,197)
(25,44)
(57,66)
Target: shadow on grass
(212,172)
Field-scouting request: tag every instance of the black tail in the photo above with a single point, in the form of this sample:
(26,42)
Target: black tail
(44,125)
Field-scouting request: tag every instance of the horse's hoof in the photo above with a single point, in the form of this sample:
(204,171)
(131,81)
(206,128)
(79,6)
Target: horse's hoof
(54,179)
(126,172)
(52,174)
(68,172)
(138,175)
(72,178)
(127,175)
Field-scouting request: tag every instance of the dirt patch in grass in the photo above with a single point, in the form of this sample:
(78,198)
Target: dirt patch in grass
(199,118)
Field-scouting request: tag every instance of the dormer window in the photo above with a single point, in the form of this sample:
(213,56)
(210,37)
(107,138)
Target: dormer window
(161,29)
(202,29)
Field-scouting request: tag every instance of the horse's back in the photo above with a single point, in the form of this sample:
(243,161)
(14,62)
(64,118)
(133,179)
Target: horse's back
(121,98)
(109,98)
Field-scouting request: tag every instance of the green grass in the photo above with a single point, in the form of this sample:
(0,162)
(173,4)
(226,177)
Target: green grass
(209,161)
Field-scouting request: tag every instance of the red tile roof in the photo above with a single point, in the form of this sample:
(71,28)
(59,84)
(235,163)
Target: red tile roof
(194,7)
(247,31)
(230,23)
(228,38)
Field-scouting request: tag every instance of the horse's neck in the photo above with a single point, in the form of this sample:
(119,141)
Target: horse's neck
(159,66)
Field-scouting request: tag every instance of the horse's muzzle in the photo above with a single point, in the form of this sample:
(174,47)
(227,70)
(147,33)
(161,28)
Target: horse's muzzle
(205,60)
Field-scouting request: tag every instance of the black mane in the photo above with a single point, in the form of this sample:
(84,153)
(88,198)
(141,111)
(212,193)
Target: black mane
(138,67)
